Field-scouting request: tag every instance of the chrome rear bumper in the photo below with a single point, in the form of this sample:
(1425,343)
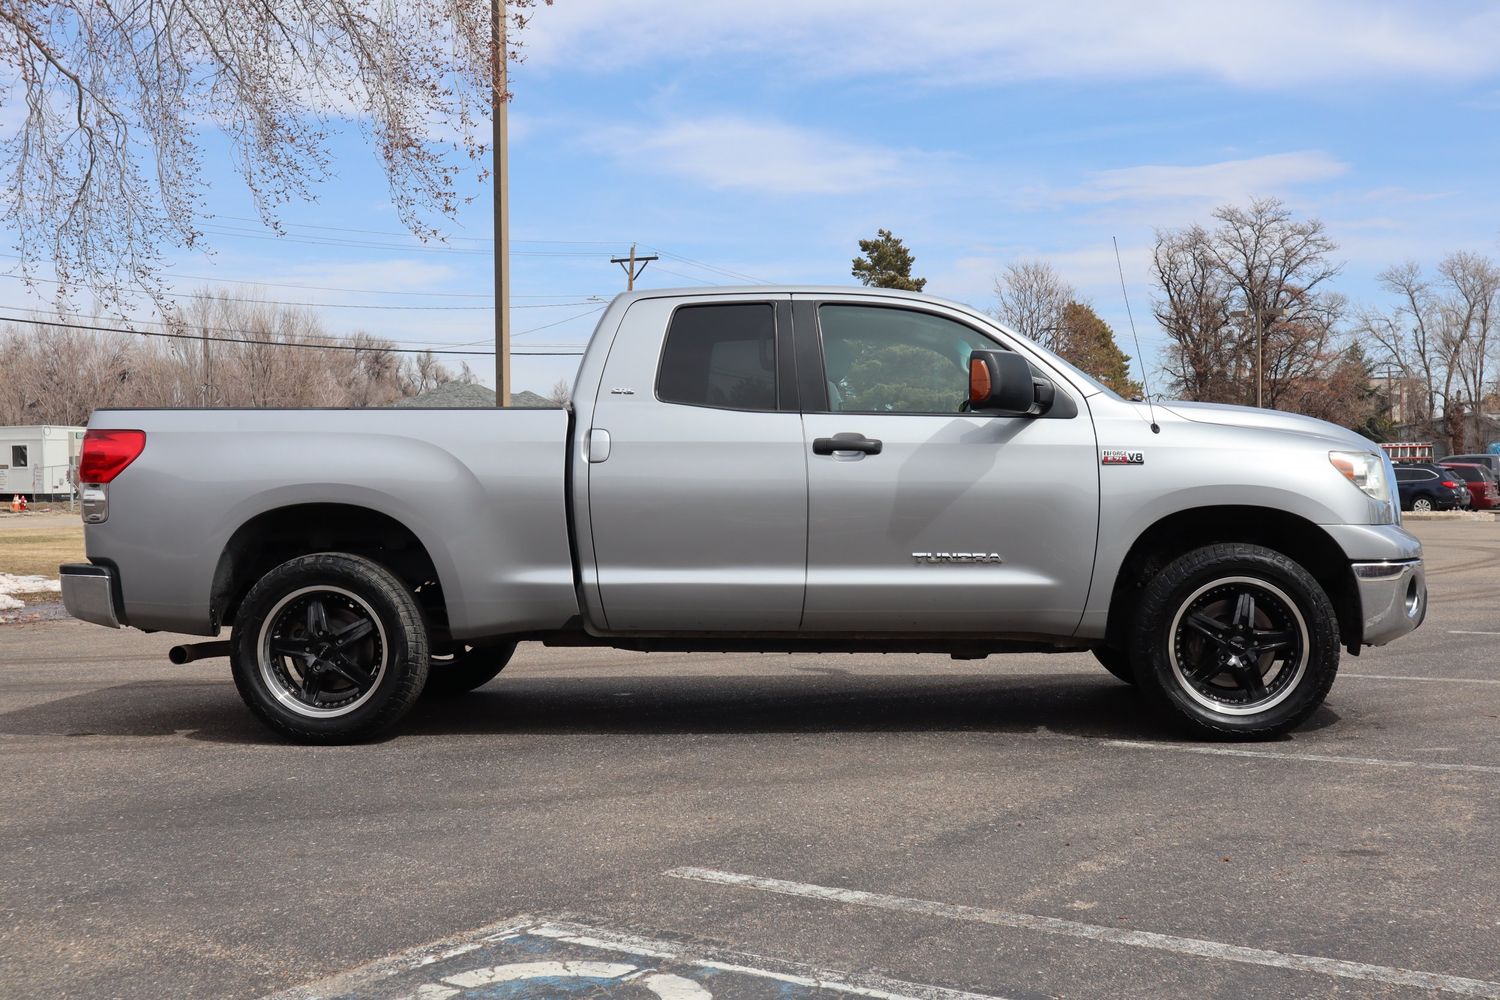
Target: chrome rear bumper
(1393,596)
(88,592)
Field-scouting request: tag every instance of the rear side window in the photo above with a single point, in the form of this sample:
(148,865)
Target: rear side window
(720,355)
(1467,475)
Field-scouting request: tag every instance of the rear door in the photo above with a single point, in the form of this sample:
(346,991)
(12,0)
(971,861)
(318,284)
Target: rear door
(698,500)
(961,522)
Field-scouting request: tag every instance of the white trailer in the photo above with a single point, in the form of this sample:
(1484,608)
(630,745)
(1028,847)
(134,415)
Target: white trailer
(38,461)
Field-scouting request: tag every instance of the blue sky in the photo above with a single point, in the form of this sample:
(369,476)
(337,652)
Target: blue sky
(765,139)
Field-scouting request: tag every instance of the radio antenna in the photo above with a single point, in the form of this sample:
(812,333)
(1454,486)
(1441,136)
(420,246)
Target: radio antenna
(1140,360)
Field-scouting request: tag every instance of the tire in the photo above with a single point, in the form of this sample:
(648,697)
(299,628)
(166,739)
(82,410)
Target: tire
(1257,616)
(329,648)
(1116,661)
(1422,504)
(467,669)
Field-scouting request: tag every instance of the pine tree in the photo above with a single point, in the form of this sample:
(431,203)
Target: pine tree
(886,263)
(1088,342)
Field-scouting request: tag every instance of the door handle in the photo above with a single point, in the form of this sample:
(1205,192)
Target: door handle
(847,442)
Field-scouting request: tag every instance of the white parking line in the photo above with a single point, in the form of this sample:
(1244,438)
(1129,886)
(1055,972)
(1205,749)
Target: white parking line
(1459,631)
(795,973)
(1406,677)
(1316,758)
(1111,935)
(489,943)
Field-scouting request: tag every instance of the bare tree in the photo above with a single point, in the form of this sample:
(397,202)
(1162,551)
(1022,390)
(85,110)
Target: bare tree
(1030,298)
(561,392)
(1266,268)
(58,375)
(1442,334)
(106,167)
(1205,356)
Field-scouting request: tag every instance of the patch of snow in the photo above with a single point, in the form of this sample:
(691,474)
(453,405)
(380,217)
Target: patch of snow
(10,584)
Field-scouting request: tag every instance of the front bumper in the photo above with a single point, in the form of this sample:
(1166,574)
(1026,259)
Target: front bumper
(88,592)
(1393,598)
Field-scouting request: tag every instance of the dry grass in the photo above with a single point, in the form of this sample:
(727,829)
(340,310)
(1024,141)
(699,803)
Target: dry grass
(35,544)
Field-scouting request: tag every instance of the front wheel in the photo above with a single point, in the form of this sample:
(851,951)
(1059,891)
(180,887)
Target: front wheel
(329,648)
(1236,640)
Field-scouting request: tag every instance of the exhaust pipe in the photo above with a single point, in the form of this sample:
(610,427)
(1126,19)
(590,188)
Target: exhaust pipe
(191,651)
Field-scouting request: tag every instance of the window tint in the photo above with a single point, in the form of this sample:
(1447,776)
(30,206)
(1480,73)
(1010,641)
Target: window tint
(883,360)
(720,355)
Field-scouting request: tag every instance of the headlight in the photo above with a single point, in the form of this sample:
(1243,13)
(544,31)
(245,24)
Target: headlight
(1365,470)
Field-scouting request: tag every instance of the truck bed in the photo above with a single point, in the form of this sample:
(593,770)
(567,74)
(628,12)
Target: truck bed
(482,490)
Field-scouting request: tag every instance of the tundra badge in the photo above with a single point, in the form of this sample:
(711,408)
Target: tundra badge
(957,557)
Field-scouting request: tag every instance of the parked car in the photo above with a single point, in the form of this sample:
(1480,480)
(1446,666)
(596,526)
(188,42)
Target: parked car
(757,469)
(1491,462)
(1484,491)
(1427,487)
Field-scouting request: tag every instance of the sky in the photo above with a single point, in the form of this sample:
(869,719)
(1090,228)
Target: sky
(759,142)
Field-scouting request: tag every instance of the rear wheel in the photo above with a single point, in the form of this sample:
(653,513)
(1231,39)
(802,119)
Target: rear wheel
(1236,641)
(329,648)
(1422,504)
(467,668)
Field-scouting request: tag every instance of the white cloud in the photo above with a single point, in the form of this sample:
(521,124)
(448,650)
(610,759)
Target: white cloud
(1270,44)
(1225,181)
(733,153)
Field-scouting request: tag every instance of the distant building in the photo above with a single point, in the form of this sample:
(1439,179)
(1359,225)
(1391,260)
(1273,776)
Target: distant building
(472,396)
(37,460)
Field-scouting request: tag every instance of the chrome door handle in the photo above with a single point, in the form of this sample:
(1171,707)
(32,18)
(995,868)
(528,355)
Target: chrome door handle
(847,442)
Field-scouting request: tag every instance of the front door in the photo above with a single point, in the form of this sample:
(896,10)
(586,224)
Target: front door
(960,522)
(699,506)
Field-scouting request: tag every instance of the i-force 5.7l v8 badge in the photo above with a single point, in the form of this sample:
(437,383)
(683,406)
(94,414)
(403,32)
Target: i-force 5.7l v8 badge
(1121,456)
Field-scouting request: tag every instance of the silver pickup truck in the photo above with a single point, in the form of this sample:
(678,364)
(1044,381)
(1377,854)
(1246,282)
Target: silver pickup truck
(775,469)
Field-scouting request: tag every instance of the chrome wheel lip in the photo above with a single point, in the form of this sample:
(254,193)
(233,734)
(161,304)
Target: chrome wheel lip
(277,686)
(1265,704)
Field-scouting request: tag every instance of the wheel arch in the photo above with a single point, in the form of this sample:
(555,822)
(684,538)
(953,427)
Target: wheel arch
(274,536)
(1293,536)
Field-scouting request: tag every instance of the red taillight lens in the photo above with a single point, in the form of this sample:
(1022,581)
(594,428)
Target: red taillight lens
(106,453)
(1451,486)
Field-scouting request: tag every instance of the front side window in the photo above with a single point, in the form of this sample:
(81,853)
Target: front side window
(720,355)
(883,360)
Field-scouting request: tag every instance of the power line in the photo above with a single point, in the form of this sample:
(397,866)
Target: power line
(333,288)
(253,340)
(329,305)
(390,232)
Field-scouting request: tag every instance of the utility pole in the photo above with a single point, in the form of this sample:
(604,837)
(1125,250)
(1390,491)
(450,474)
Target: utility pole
(1260,348)
(499,145)
(628,265)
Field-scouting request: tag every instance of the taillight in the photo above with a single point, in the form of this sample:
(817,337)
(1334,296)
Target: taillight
(1451,486)
(106,453)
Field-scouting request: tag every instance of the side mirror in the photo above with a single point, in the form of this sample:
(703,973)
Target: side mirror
(1001,382)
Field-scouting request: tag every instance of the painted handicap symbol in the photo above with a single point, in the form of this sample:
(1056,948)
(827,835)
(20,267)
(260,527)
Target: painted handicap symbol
(663,984)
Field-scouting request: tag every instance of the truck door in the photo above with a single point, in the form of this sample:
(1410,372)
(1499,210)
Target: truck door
(698,507)
(933,519)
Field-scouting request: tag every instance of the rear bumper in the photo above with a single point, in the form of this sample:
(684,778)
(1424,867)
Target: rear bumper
(1392,597)
(88,592)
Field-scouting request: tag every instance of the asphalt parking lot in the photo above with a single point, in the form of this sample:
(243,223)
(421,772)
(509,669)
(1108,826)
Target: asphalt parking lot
(684,826)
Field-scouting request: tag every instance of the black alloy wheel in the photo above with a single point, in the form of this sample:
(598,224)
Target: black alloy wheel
(329,648)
